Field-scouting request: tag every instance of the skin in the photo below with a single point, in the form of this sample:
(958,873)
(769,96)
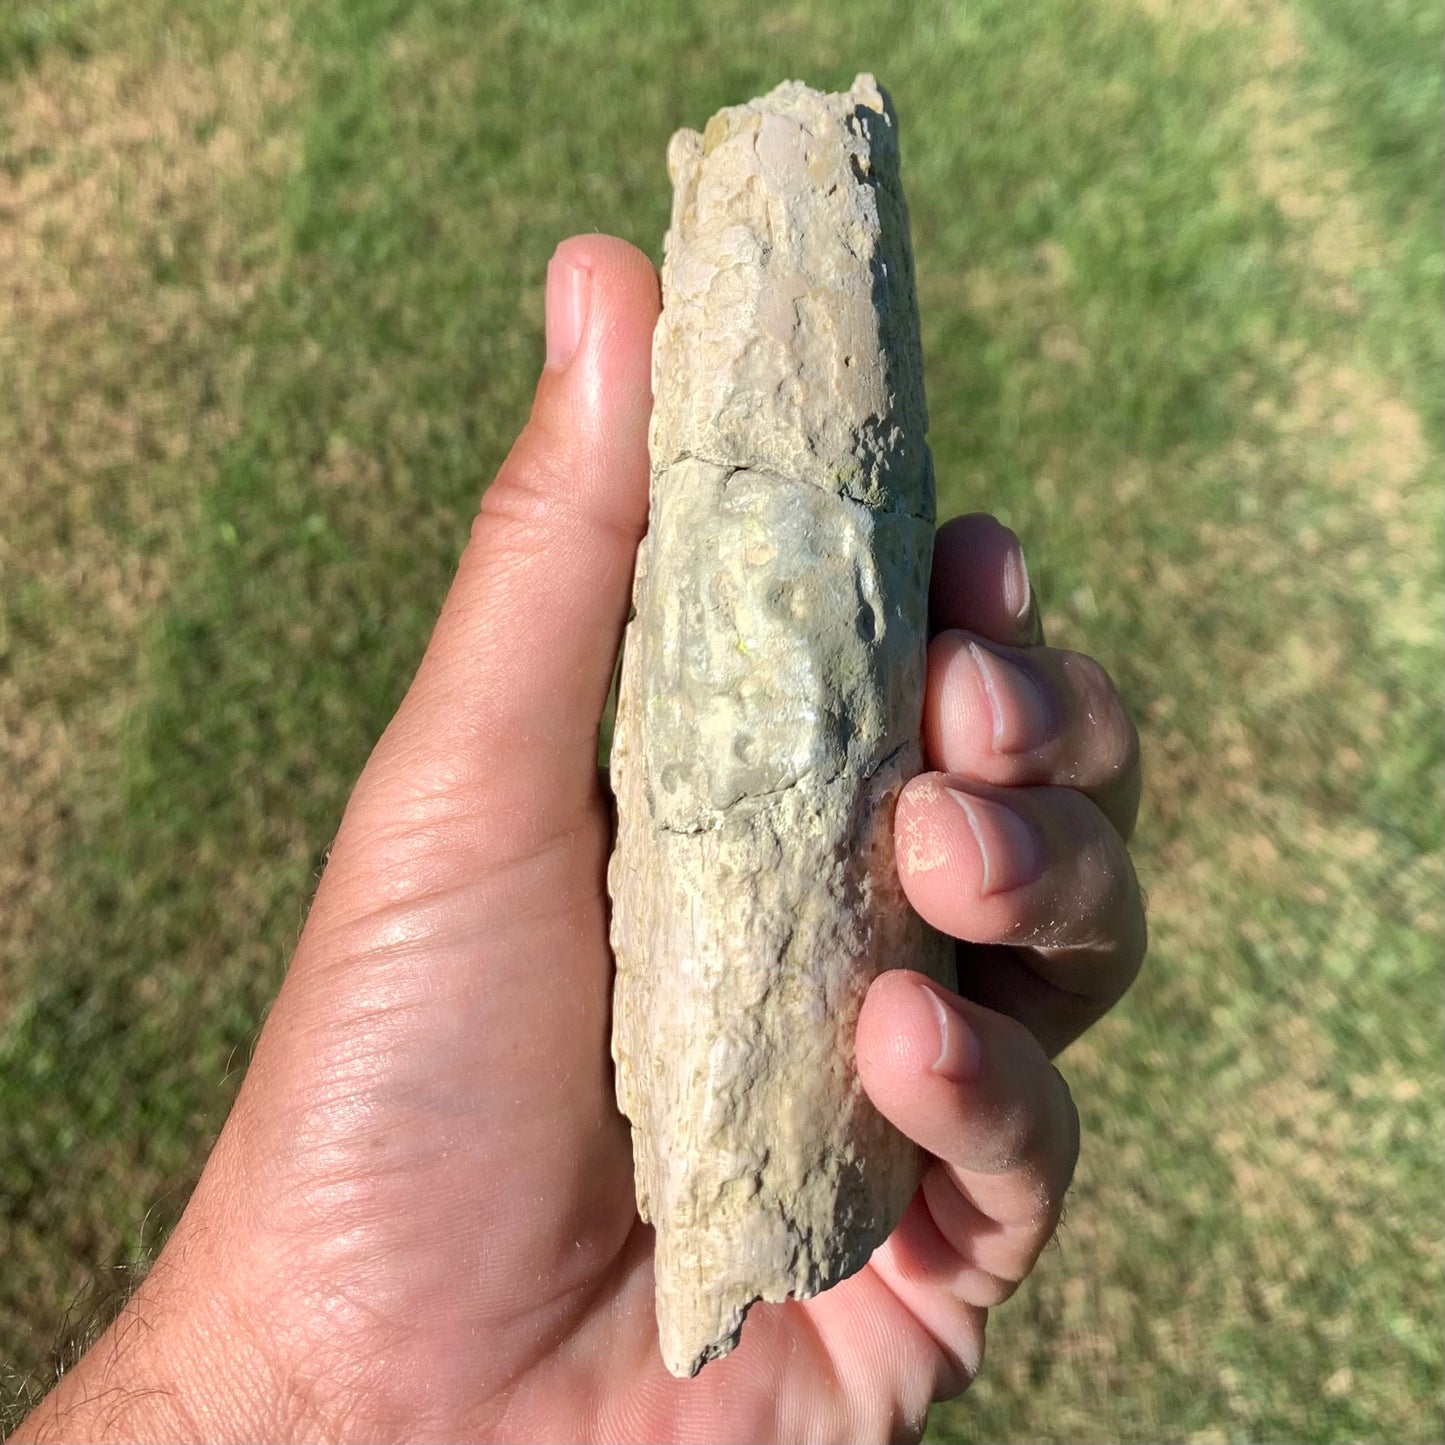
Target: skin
(418,1221)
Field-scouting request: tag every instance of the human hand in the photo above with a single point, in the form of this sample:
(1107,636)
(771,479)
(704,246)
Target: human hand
(419,1221)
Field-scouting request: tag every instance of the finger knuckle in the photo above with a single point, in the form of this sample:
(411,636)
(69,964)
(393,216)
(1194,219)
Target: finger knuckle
(1104,886)
(1092,896)
(536,500)
(527,494)
(1088,675)
(987,1290)
(1029,1142)
(1121,740)
(1134,948)
(1069,1127)
(1043,1144)
(1115,738)
(959,1357)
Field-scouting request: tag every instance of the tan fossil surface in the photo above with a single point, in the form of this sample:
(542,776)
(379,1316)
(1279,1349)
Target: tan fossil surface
(769,709)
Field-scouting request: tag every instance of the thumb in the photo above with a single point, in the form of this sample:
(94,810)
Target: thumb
(506,703)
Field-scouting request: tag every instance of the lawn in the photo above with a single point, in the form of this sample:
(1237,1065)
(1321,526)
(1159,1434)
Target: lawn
(270,306)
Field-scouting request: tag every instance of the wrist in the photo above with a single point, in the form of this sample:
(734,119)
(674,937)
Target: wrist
(173,1365)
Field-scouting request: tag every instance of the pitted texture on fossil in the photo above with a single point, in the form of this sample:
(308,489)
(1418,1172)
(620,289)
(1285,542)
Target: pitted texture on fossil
(768,713)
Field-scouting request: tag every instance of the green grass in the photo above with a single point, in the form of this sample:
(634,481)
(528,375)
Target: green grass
(272,318)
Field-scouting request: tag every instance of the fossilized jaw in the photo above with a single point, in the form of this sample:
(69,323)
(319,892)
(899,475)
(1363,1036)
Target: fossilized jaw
(769,711)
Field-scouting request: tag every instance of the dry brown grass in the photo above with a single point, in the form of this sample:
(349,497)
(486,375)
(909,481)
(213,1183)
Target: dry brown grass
(139,205)
(123,261)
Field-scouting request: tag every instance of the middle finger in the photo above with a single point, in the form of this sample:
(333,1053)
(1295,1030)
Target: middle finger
(1032,716)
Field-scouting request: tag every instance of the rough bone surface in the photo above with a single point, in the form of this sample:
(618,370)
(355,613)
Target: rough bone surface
(769,711)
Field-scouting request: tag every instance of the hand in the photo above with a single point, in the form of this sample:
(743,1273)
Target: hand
(419,1220)
(1017,843)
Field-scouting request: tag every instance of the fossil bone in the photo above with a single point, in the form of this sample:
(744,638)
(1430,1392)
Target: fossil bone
(769,710)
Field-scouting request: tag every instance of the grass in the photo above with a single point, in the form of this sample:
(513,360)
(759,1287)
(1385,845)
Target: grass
(271,318)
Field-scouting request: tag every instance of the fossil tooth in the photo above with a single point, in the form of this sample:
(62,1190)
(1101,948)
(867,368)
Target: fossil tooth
(769,709)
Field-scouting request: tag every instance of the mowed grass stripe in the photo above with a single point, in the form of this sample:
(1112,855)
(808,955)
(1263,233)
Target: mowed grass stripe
(1294,627)
(141,162)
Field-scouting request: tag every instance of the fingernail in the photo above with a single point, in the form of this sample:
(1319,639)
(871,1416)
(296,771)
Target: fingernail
(960,1054)
(1018,595)
(1023,715)
(1008,845)
(568,291)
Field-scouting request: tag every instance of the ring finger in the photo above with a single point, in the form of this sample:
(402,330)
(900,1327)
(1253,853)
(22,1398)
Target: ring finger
(1039,869)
